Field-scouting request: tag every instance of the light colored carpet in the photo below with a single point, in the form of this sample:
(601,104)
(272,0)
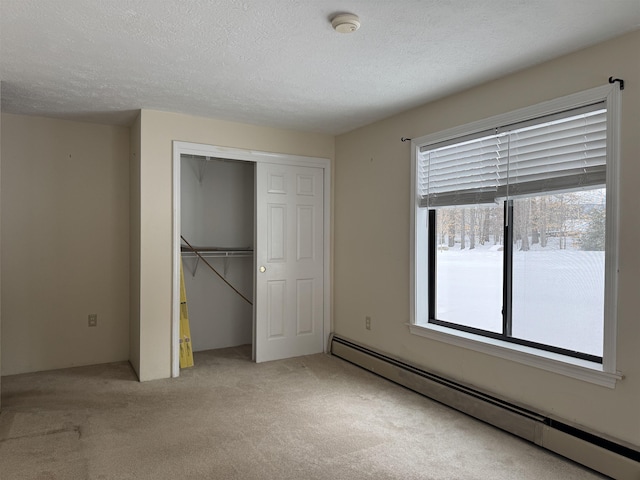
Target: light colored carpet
(314,417)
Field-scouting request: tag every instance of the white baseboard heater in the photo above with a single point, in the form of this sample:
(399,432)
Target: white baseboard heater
(602,455)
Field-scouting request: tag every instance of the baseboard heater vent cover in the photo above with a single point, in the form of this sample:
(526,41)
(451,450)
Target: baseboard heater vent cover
(597,453)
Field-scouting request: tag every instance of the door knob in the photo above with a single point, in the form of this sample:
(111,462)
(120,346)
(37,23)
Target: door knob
(263,269)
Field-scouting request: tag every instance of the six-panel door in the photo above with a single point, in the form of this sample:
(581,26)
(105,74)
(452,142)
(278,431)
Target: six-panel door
(289,261)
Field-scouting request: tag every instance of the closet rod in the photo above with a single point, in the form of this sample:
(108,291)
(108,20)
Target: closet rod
(200,257)
(220,253)
(224,254)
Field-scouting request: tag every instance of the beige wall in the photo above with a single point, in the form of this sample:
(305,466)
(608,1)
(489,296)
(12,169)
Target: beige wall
(158,130)
(134,246)
(371,249)
(65,230)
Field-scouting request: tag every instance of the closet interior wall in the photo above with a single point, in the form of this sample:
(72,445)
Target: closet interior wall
(217,210)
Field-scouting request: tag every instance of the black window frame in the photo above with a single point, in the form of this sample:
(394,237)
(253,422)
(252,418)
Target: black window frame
(507,286)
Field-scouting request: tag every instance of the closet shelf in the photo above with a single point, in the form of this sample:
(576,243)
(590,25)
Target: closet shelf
(215,252)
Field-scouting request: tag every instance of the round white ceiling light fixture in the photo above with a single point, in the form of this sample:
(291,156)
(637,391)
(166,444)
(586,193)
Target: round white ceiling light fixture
(345,23)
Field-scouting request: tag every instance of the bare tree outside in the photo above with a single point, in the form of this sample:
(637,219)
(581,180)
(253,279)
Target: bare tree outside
(463,229)
(472,227)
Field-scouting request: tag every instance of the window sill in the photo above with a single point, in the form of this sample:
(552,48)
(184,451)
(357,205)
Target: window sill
(571,367)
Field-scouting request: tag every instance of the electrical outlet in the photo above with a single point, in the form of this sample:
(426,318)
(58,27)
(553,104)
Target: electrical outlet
(367,323)
(93,319)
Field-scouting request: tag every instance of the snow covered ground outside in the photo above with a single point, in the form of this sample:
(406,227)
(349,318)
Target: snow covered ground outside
(558,295)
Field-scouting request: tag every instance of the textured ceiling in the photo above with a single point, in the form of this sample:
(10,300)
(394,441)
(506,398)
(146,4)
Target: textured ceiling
(278,62)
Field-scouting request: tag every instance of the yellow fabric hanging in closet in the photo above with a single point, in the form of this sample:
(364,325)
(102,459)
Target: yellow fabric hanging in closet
(186,352)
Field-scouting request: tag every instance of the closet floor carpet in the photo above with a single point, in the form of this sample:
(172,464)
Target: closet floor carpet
(314,417)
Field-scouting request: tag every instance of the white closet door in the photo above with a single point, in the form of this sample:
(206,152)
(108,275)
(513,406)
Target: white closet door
(289,261)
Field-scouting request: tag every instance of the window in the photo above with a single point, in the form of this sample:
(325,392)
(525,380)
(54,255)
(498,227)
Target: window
(515,226)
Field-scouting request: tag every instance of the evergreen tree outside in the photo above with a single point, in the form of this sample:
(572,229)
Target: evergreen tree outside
(594,235)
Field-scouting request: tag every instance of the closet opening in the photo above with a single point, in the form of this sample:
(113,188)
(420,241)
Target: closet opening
(217,250)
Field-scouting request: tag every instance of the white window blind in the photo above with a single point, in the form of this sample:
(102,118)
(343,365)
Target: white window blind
(564,151)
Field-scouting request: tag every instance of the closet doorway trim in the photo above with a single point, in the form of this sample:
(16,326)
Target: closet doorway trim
(256,156)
